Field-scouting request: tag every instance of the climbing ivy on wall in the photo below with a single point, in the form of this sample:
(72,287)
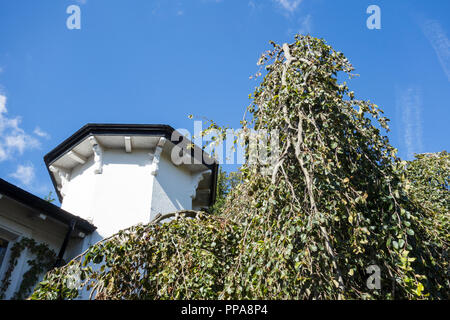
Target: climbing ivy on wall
(44,259)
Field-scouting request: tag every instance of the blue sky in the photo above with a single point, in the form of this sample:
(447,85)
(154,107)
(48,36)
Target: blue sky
(154,61)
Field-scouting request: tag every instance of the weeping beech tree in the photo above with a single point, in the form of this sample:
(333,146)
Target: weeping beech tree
(333,202)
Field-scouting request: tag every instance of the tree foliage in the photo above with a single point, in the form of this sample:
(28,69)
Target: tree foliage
(335,200)
(428,187)
(226,182)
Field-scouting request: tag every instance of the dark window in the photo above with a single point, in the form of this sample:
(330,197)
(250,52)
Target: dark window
(3,247)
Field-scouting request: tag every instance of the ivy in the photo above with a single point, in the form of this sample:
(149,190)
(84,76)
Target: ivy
(43,261)
(225,183)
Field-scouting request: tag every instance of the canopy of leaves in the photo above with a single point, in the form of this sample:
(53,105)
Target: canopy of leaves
(226,182)
(428,187)
(334,201)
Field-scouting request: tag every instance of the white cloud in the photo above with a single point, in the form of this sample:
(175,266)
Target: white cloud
(409,108)
(2,104)
(39,132)
(20,141)
(289,5)
(441,44)
(305,25)
(13,139)
(24,173)
(3,154)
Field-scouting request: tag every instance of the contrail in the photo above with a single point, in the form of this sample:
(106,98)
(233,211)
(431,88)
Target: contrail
(437,37)
(409,106)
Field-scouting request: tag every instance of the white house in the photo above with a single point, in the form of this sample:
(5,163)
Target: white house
(107,177)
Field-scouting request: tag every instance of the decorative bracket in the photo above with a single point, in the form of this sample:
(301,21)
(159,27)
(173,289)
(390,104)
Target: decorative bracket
(128,146)
(196,181)
(155,157)
(64,176)
(98,155)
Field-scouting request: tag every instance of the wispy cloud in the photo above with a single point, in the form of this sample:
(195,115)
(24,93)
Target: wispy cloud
(13,139)
(409,109)
(2,104)
(305,25)
(24,174)
(289,5)
(256,6)
(39,132)
(437,37)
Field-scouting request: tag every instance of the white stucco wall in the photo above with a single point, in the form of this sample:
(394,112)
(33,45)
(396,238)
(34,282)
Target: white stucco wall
(171,189)
(117,198)
(126,192)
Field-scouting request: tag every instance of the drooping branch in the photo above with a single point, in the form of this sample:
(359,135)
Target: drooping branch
(158,218)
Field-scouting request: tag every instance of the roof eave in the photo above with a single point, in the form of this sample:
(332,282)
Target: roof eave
(39,206)
(125,129)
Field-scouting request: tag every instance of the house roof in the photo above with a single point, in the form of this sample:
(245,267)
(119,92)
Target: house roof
(40,206)
(110,133)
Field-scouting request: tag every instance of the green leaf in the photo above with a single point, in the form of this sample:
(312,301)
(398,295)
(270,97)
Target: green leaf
(395,244)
